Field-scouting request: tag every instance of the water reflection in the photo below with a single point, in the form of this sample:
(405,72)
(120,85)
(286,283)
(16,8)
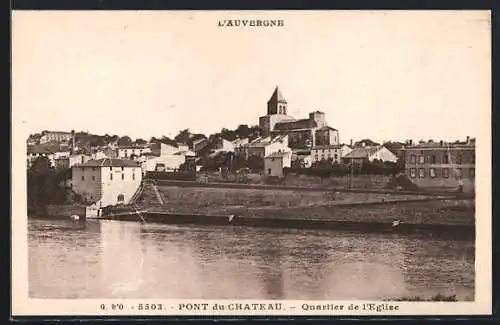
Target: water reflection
(133,260)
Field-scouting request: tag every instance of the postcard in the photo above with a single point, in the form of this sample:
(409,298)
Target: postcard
(237,163)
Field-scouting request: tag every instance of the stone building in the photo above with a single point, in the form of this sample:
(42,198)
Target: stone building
(106,181)
(276,162)
(57,136)
(302,133)
(440,165)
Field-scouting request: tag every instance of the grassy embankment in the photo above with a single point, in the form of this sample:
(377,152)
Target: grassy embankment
(266,203)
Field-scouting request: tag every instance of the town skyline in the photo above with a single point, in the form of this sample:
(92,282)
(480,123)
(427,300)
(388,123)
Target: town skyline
(136,74)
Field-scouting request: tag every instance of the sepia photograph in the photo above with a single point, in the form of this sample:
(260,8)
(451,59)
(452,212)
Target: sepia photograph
(251,162)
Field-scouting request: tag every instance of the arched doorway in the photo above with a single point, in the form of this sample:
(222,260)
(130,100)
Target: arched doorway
(121,199)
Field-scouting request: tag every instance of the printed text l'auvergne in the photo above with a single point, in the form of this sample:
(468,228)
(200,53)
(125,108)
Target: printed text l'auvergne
(251,23)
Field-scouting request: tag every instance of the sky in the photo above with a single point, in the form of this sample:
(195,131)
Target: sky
(378,75)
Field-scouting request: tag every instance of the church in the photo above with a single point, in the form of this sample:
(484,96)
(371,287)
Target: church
(303,133)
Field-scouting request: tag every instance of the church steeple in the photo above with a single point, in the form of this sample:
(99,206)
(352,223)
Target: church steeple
(277,103)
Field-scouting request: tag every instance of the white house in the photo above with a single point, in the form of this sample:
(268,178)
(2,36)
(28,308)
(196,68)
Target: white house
(172,162)
(55,136)
(161,149)
(345,150)
(106,181)
(371,154)
(275,162)
(78,159)
(263,147)
(223,145)
(131,151)
(320,153)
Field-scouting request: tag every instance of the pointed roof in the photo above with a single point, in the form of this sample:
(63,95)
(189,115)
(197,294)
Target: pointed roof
(277,96)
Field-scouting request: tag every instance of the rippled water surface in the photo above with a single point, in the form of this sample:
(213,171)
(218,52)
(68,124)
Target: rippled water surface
(131,260)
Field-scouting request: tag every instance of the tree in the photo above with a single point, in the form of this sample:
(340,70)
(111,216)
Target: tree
(44,183)
(183,137)
(298,163)
(242,131)
(125,141)
(140,142)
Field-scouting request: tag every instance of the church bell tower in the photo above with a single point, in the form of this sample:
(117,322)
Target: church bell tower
(277,103)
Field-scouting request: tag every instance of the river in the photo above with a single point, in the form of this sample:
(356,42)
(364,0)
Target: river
(115,259)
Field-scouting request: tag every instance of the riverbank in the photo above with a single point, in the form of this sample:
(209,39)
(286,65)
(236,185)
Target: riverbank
(364,211)
(292,204)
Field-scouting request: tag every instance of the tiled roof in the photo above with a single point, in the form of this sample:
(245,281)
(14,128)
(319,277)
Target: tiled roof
(277,96)
(293,125)
(110,162)
(442,145)
(336,146)
(363,152)
(327,128)
(278,154)
(279,138)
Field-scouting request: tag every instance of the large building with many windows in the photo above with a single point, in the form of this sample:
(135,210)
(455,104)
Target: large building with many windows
(441,165)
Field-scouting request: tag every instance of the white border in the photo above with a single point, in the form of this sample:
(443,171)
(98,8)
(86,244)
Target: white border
(22,305)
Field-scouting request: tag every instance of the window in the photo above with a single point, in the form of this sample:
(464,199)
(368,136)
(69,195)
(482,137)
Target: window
(123,177)
(421,160)
(446,159)
(133,177)
(336,156)
(93,168)
(432,172)
(122,168)
(459,159)
(110,168)
(412,159)
(433,159)
(83,178)
(458,172)
(93,178)
(421,173)
(269,171)
(111,177)
(473,158)
(413,173)
(472,172)
(446,172)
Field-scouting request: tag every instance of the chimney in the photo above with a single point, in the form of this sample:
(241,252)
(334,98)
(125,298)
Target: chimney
(351,143)
(410,142)
(441,143)
(467,140)
(72,141)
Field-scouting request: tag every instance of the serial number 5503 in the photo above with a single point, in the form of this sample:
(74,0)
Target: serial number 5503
(150,307)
